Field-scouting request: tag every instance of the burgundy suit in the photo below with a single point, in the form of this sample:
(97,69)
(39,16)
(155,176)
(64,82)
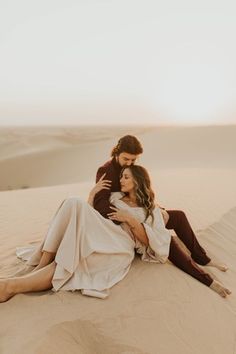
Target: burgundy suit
(101,200)
(177,221)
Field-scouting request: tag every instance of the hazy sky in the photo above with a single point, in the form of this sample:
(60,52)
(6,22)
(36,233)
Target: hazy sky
(117,61)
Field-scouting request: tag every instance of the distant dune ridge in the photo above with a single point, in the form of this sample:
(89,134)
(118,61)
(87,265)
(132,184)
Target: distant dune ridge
(32,156)
(41,156)
(156,308)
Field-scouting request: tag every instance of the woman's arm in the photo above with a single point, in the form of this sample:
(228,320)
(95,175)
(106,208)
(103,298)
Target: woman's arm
(101,184)
(165,215)
(137,230)
(135,226)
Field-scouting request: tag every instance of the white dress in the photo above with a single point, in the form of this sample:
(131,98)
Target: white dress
(93,253)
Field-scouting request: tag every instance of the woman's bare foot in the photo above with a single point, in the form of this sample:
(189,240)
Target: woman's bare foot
(5,290)
(219,288)
(221,267)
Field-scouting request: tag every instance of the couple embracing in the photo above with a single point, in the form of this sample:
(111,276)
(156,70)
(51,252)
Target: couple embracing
(90,245)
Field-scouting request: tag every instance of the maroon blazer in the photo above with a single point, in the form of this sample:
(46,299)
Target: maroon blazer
(101,201)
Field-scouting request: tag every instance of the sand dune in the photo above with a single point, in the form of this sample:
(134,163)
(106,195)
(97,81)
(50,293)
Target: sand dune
(34,157)
(44,156)
(81,336)
(156,308)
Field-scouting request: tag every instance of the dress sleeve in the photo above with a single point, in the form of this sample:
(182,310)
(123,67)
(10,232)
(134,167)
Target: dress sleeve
(159,239)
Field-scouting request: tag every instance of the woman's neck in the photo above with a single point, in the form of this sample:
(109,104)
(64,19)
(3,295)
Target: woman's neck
(132,196)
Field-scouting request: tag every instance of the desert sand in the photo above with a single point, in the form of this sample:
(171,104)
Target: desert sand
(156,308)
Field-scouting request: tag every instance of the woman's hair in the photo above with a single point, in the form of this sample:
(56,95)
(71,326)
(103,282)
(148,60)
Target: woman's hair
(129,144)
(144,193)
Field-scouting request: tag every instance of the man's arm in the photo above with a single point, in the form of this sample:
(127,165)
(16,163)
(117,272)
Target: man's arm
(102,199)
(100,185)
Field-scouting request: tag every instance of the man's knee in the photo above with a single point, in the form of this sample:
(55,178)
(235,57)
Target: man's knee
(180,214)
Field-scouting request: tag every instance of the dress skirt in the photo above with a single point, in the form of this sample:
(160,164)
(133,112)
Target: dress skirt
(92,253)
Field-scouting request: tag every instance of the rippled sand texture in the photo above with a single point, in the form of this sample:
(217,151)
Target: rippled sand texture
(156,308)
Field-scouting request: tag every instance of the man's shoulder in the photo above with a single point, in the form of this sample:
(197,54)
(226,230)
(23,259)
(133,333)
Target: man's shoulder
(112,171)
(107,165)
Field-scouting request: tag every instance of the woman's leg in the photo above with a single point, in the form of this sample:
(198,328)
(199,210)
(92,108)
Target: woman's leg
(47,258)
(56,232)
(35,281)
(183,261)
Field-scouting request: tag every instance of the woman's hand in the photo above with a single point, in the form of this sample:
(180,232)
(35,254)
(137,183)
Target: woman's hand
(101,184)
(118,215)
(135,227)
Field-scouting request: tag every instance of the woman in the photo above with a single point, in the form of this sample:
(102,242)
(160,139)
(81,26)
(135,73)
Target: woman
(82,250)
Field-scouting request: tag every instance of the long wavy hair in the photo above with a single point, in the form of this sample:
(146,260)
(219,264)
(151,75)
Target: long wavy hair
(144,193)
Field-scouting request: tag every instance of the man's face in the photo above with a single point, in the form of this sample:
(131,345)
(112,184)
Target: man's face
(126,159)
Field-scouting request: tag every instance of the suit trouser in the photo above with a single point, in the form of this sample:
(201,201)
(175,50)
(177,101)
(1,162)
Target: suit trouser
(179,223)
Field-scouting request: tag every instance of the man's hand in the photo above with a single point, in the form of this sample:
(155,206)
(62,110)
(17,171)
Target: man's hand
(101,184)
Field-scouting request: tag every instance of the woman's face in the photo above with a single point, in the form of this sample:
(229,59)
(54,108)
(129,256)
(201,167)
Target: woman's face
(127,181)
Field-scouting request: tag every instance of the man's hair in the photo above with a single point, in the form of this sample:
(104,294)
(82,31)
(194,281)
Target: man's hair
(129,144)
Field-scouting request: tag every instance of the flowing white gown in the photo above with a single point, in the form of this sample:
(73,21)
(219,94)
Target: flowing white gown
(93,253)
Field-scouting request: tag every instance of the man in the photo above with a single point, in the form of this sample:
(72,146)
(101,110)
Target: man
(126,153)
(123,154)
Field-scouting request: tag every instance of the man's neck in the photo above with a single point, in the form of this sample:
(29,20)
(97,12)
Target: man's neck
(116,163)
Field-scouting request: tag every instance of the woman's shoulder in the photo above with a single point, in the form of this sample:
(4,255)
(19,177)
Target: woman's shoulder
(116,196)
